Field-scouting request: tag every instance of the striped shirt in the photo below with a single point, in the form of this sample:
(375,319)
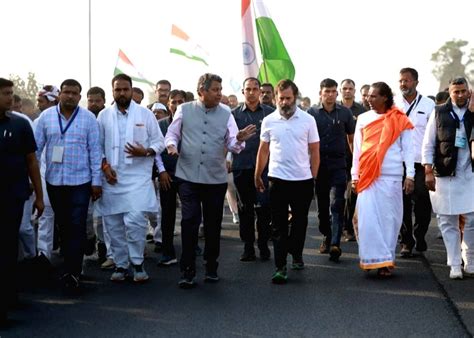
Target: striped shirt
(82,153)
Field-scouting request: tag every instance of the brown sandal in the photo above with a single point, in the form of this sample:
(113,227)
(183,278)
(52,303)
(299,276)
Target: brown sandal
(384,272)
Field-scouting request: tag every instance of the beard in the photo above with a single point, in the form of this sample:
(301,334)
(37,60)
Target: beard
(123,102)
(287,110)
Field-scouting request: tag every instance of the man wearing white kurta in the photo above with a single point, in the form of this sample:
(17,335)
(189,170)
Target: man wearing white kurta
(130,138)
(449,169)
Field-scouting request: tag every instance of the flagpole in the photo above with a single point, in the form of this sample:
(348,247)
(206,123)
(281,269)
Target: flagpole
(260,46)
(90,46)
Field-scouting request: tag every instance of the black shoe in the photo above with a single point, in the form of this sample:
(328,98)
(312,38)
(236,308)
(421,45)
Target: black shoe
(187,280)
(90,246)
(334,253)
(248,257)
(211,276)
(324,247)
(101,252)
(421,245)
(265,254)
(70,283)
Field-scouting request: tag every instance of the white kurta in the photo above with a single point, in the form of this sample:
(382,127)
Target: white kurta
(134,190)
(454,195)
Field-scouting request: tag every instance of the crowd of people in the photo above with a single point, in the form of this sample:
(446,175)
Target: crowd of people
(108,178)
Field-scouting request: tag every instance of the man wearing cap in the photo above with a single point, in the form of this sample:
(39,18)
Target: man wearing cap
(47,97)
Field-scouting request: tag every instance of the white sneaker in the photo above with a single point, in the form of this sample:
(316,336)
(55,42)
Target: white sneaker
(119,275)
(469,270)
(139,274)
(456,272)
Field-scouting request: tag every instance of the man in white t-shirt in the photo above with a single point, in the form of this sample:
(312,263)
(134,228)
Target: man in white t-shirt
(289,143)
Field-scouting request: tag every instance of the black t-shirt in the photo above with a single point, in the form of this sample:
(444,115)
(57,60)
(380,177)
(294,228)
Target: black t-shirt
(16,141)
(333,129)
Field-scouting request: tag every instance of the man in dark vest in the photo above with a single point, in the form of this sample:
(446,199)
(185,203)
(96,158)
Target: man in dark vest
(449,174)
(206,129)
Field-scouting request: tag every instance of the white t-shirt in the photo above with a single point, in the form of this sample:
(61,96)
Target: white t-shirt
(289,139)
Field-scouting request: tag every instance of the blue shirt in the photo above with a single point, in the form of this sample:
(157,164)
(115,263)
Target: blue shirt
(82,152)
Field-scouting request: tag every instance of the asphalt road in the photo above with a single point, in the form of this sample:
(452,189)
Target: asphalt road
(326,299)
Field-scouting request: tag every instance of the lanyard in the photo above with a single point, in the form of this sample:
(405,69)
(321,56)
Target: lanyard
(71,119)
(456,119)
(413,105)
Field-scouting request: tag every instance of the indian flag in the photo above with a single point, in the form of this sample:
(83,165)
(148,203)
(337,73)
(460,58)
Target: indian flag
(248,43)
(125,66)
(183,45)
(276,62)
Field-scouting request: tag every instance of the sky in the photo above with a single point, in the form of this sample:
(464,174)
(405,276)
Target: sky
(365,40)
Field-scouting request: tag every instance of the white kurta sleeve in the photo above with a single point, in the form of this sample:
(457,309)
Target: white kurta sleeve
(356,151)
(408,152)
(157,141)
(429,141)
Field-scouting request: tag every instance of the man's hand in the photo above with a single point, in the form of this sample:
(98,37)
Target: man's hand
(408,186)
(354,186)
(165,181)
(246,133)
(430,181)
(172,150)
(110,175)
(259,184)
(96,192)
(471,102)
(136,150)
(38,205)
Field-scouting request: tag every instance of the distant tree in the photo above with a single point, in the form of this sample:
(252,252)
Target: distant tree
(25,89)
(451,61)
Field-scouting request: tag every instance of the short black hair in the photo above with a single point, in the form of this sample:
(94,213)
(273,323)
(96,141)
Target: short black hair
(412,71)
(366,86)
(16,98)
(165,82)
(458,81)
(285,84)
(122,76)
(384,90)
(138,91)
(71,83)
(251,78)
(175,92)
(96,91)
(267,84)
(327,83)
(442,96)
(6,83)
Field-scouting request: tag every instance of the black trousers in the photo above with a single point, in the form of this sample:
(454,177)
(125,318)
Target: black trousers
(419,202)
(11,212)
(168,217)
(70,204)
(297,195)
(249,206)
(330,188)
(209,197)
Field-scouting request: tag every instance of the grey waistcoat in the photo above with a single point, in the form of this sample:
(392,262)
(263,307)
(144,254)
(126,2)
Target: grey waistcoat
(203,145)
